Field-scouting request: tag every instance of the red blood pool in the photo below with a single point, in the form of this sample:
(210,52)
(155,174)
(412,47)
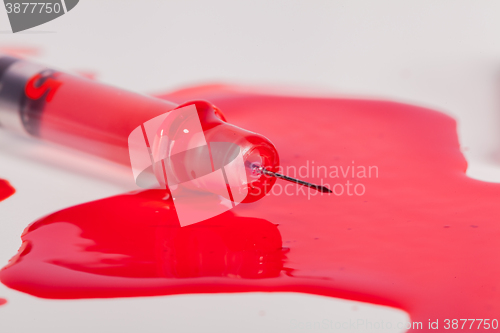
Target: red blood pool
(396,232)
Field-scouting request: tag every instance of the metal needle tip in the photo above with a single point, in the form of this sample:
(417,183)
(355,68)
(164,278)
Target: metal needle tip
(322,189)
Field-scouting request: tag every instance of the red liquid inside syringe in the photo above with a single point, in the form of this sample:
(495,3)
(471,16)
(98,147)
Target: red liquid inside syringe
(98,119)
(87,115)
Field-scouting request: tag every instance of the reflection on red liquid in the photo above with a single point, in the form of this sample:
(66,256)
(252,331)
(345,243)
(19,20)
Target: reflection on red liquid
(88,250)
(423,237)
(6,190)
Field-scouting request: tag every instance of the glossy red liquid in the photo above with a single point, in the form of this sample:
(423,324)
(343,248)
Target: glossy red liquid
(423,237)
(6,190)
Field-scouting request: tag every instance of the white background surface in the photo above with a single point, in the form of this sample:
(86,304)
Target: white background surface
(440,54)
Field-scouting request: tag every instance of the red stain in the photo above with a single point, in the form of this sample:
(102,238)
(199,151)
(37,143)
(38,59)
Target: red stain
(6,190)
(423,237)
(2,301)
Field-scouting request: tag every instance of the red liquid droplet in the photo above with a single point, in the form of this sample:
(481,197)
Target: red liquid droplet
(389,246)
(6,190)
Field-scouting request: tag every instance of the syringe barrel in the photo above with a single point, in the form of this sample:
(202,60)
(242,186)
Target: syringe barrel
(72,110)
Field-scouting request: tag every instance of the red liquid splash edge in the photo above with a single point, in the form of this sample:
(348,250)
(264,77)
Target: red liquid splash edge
(6,190)
(422,238)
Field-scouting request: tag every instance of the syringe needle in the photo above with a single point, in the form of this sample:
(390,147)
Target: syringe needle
(322,189)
